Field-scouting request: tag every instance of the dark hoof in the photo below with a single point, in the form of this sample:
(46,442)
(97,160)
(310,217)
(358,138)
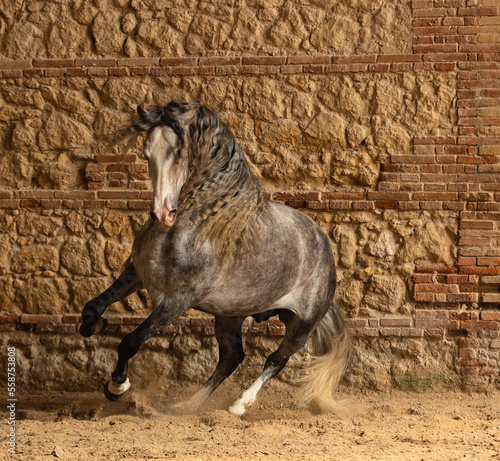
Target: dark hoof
(113,397)
(87,330)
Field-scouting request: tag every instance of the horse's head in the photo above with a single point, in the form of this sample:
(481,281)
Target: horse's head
(187,145)
(167,159)
(168,171)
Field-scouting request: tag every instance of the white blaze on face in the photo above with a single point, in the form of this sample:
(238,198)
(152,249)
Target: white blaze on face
(166,173)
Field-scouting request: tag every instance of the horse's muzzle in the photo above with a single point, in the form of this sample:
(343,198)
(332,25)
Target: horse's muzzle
(164,219)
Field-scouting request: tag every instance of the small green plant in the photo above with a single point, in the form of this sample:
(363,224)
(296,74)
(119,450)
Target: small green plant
(409,382)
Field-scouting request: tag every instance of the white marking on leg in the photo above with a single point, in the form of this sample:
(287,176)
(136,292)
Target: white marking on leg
(246,400)
(119,389)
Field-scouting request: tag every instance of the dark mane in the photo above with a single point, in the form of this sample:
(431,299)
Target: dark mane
(221,195)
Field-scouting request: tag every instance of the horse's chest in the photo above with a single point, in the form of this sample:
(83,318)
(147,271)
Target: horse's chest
(148,255)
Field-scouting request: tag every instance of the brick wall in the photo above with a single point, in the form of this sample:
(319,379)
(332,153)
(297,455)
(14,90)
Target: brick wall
(406,183)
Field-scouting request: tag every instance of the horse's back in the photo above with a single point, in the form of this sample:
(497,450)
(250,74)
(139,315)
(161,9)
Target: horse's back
(291,267)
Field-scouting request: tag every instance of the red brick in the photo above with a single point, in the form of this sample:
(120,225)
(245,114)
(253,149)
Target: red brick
(395,331)
(358,195)
(406,322)
(14,73)
(379,67)
(435,288)
(445,66)
(433,57)
(434,30)
(93,63)
(338,205)
(29,203)
(177,62)
(490,315)
(366,332)
(309,60)
(139,62)
(422,278)
(9,318)
(363,205)
(118,194)
(291,69)
(205,70)
(136,71)
(313,69)
(483,270)
(9,204)
(119,71)
(479,11)
(439,268)
(75,71)
(448,196)
(435,48)
(40,318)
(424,297)
(94,204)
(72,318)
(474,241)
(108,158)
(76,195)
(377,195)
(488,261)
(264,60)
(431,323)
(281,196)
(412,159)
(259,70)
(53,63)
(33,73)
(227,70)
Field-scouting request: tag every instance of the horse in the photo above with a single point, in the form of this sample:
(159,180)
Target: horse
(215,243)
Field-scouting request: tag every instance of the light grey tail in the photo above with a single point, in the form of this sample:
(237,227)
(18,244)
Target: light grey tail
(331,349)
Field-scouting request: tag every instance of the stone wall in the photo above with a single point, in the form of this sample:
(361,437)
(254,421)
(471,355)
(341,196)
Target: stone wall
(378,118)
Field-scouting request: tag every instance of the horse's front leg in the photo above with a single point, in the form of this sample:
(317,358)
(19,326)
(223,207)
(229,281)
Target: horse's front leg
(126,284)
(163,315)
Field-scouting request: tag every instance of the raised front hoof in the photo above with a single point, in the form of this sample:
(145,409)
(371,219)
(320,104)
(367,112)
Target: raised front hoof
(87,330)
(114,391)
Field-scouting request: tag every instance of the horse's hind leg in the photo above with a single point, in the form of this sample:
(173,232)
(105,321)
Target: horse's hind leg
(164,314)
(296,336)
(228,334)
(126,284)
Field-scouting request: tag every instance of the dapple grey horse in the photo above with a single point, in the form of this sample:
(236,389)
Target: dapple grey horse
(216,244)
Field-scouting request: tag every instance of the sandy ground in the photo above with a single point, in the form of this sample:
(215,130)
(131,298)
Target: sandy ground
(396,425)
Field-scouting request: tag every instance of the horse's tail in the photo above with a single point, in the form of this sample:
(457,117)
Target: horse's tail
(331,350)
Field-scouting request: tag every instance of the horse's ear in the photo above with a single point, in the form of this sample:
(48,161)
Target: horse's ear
(141,111)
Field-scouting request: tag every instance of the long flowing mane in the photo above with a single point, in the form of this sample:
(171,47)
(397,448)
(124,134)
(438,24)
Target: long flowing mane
(220,195)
